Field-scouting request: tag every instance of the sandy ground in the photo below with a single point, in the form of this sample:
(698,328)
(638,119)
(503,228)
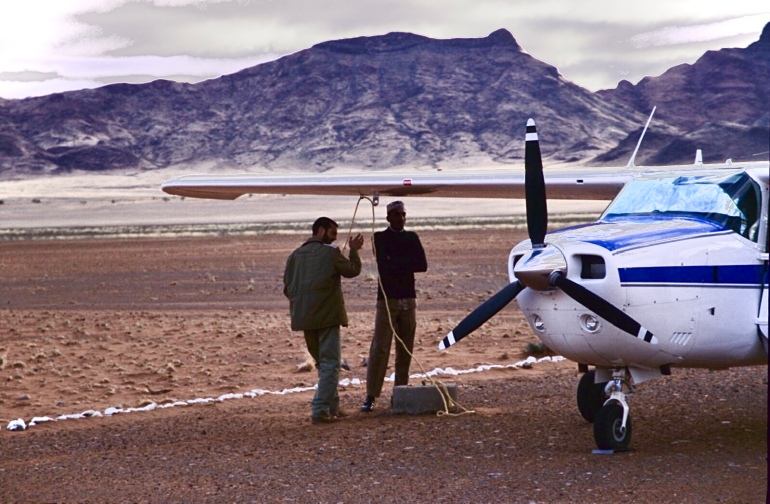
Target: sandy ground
(89,325)
(116,324)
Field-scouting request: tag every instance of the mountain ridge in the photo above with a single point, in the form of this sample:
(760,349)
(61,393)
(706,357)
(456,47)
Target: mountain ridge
(393,100)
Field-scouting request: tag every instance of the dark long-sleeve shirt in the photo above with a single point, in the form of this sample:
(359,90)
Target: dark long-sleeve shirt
(399,256)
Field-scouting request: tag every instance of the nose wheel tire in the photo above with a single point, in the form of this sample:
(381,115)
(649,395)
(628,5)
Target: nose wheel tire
(608,428)
(590,396)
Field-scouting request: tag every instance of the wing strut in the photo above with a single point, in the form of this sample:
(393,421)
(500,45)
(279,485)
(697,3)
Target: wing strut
(639,143)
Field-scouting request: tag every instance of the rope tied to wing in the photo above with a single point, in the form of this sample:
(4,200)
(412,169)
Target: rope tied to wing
(451,407)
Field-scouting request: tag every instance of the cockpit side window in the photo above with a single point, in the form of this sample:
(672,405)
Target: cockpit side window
(746,197)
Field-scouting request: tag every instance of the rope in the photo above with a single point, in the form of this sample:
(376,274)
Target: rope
(449,403)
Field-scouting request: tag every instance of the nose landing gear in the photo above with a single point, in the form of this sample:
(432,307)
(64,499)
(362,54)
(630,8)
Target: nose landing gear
(612,422)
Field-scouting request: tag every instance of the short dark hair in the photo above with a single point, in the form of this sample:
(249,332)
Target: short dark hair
(323,222)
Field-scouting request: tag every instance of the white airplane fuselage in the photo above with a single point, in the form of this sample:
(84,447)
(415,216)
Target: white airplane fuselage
(696,284)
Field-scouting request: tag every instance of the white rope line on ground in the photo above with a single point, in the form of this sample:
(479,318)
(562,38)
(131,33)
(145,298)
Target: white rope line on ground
(20,424)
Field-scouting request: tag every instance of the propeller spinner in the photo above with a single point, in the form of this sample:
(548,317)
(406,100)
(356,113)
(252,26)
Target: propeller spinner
(543,267)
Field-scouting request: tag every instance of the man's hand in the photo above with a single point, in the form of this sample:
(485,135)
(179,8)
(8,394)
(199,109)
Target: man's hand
(356,242)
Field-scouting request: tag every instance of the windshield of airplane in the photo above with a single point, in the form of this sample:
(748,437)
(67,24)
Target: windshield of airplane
(730,198)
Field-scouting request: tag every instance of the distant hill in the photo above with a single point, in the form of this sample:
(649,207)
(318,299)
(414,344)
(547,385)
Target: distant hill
(393,100)
(721,104)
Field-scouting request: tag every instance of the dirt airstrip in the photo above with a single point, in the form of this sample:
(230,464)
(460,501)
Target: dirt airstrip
(87,325)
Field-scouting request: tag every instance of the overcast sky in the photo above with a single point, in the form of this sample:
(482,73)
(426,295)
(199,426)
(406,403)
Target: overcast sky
(48,46)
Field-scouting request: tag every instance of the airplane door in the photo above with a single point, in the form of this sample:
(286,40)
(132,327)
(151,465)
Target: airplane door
(763,307)
(764,256)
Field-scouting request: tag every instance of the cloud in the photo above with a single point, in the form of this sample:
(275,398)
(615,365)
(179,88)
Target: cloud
(594,43)
(674,35)
(157,66)
(28,76)
(89,73)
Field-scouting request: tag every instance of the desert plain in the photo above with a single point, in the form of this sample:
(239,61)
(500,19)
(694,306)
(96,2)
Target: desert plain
(154,350)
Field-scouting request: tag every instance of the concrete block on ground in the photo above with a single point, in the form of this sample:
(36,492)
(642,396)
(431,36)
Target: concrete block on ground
(420,399)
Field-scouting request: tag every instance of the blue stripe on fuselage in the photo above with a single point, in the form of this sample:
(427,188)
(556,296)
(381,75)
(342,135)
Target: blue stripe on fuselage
(739,275)
(629,231)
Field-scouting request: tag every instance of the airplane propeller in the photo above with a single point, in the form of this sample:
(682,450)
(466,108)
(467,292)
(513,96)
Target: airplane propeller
(480,315)
(534,188)
(543,267)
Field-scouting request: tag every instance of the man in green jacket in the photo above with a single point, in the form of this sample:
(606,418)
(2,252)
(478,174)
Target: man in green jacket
(312,282)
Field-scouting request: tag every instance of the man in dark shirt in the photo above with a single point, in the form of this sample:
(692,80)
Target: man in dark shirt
(399,256)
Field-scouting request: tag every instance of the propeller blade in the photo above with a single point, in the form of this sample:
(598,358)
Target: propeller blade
(603,308)
(534,187)
(481,314)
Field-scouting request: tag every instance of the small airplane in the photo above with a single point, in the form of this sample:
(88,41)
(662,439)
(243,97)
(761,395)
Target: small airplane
(674,273)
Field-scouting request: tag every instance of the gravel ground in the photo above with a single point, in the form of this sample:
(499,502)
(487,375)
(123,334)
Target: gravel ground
(93,324)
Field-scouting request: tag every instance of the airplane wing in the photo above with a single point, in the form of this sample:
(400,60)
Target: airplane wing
(572,183)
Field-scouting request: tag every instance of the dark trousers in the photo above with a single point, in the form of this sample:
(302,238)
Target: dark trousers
(402,313)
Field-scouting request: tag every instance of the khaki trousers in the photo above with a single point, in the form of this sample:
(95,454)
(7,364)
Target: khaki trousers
(326,349)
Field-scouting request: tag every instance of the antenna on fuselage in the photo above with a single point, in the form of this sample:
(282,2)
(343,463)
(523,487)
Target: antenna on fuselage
(633,156)
(699,158)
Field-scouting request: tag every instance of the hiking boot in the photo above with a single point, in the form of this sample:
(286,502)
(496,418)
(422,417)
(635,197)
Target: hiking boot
(368,404)
(324,419)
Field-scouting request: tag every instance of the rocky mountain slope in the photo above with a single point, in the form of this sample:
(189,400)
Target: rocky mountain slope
(393,100)
(721,104)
